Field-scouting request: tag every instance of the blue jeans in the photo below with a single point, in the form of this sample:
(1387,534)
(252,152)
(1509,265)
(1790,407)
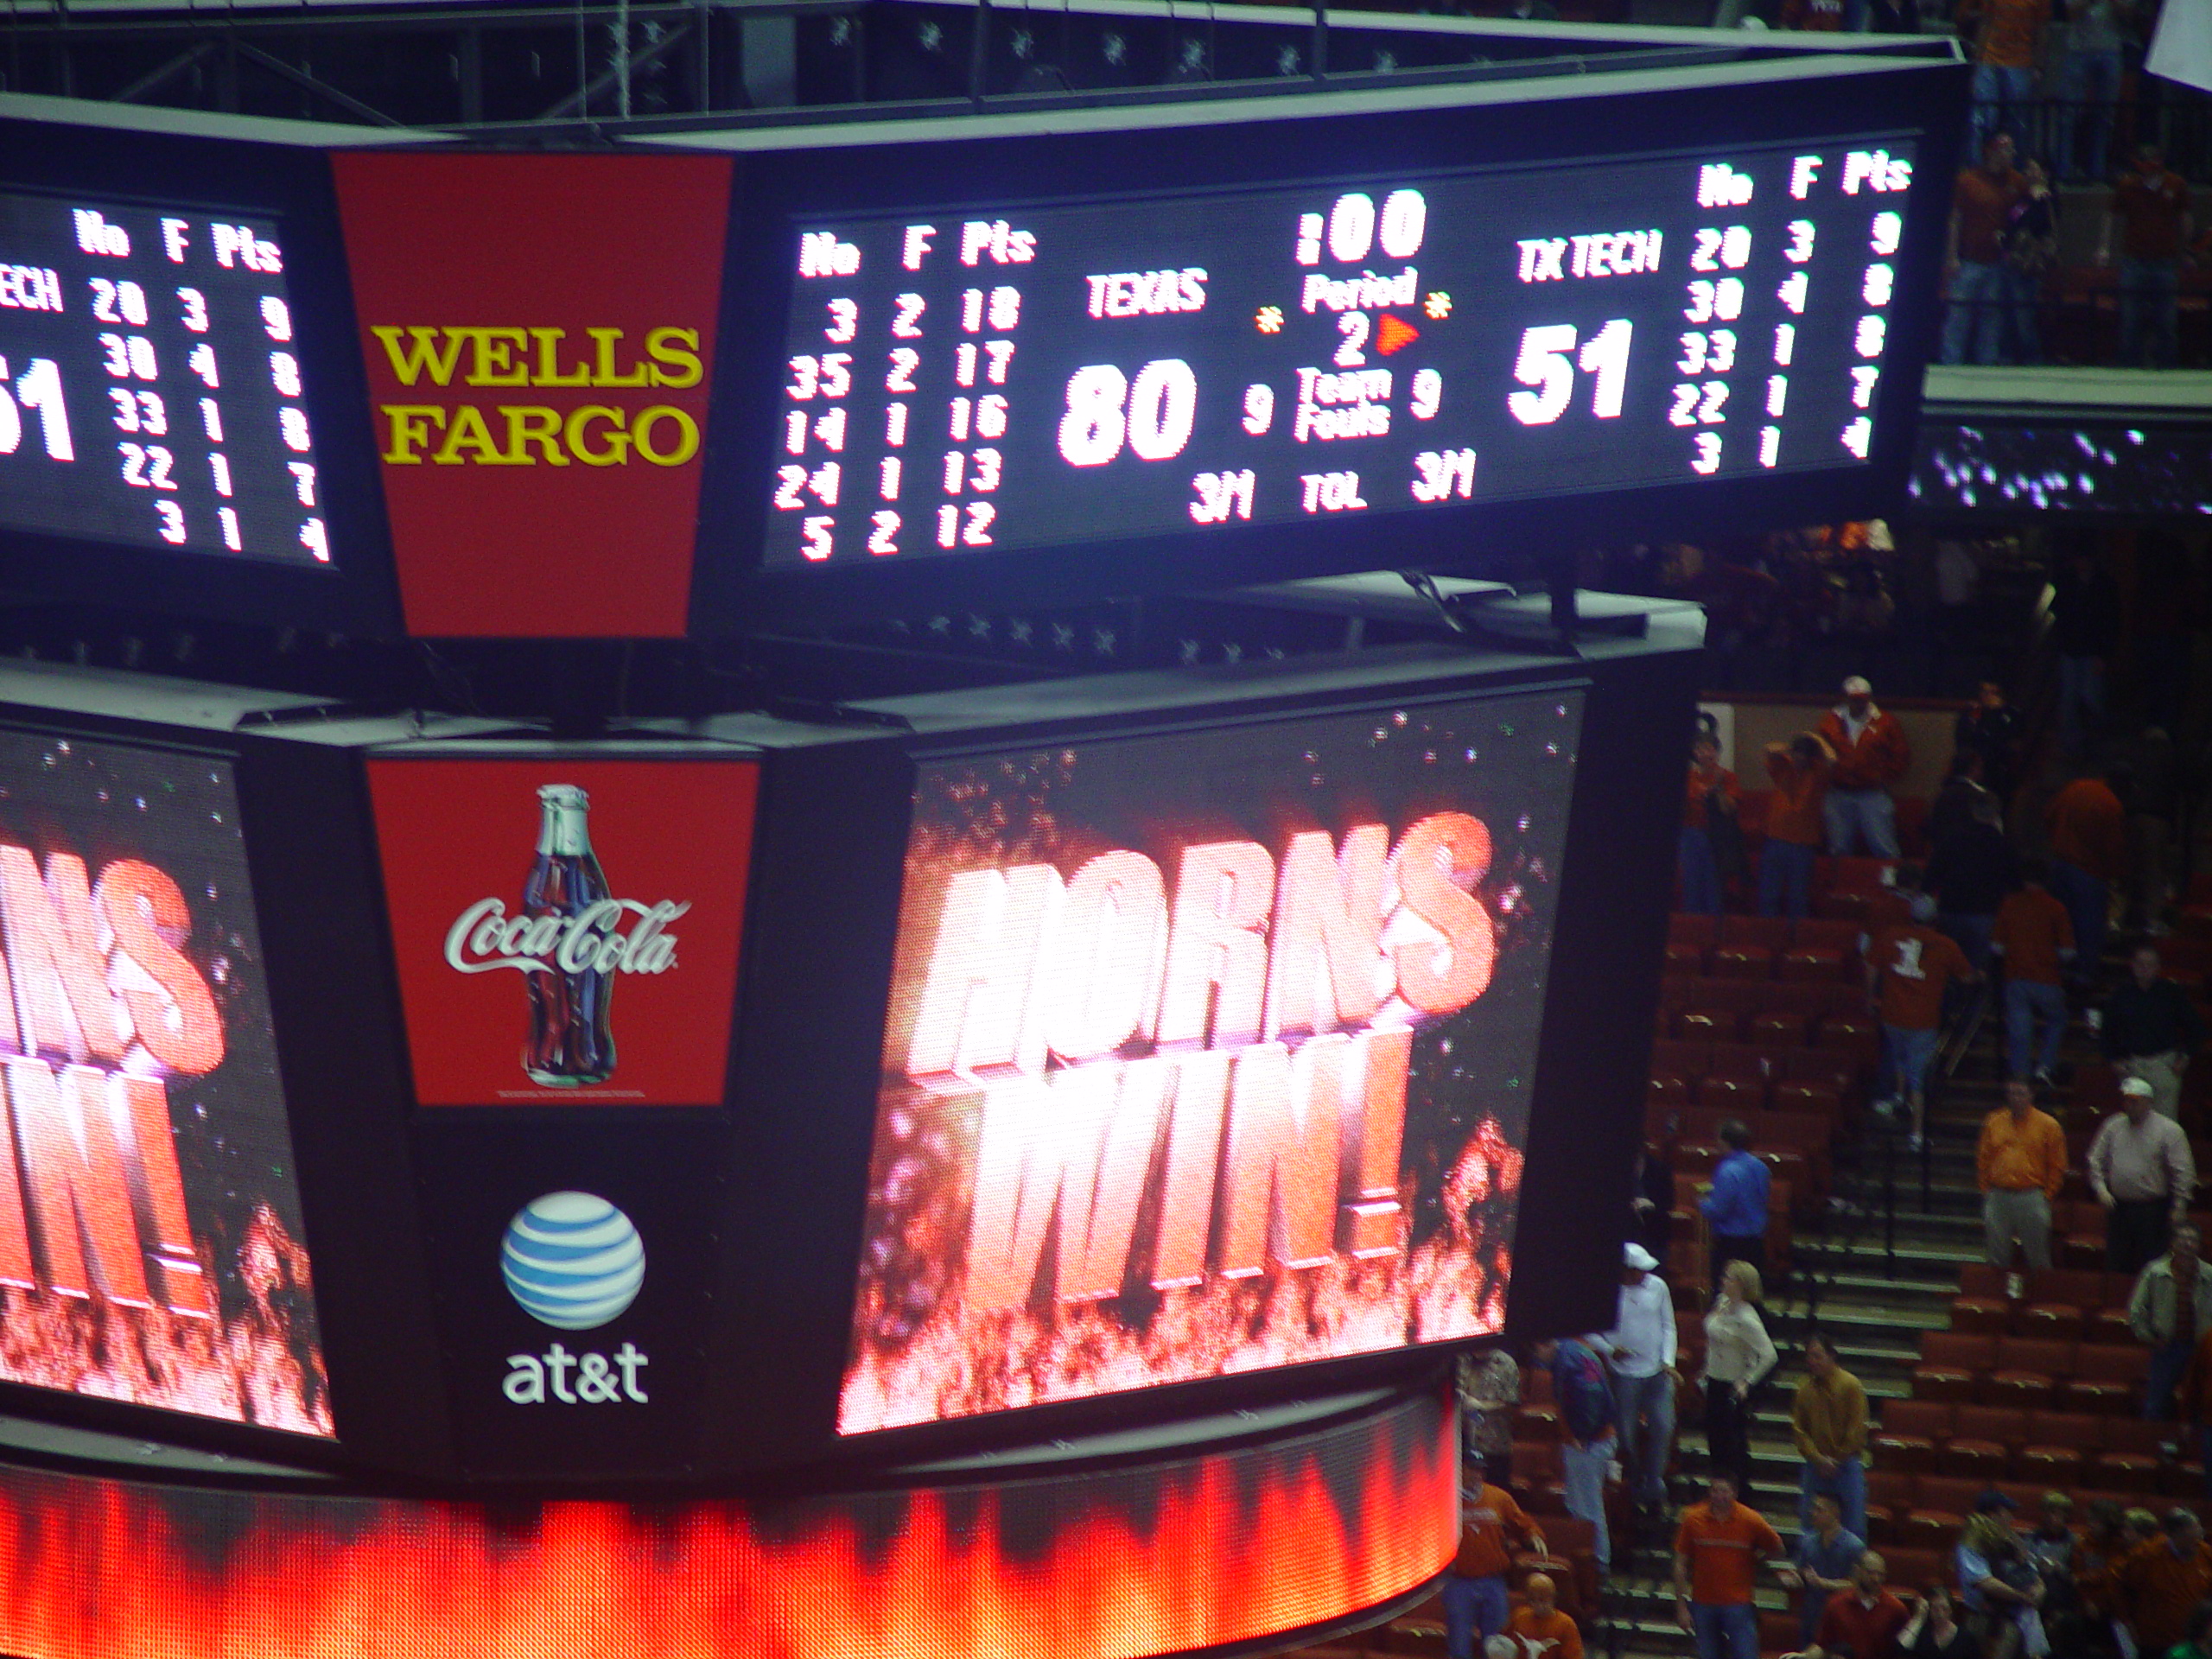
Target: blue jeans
(1700,874)
(1853,814)
(1584,1468)
(1785,878)
(2081,691)
(1645,1451)
(1906,1056)
(2088,903)
(2149,305)
(2025,1002)
(1980,293)
(1848,1487)
(1474,1611)
(2000,104)
(1731,1631)
(2168,1360)
(2089,82)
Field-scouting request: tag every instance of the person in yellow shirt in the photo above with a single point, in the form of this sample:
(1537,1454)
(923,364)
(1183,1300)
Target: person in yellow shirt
(2021,1163)
(1827,1419)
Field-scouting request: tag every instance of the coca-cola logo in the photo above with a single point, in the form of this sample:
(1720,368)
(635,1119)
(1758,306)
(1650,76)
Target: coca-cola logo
(484,937)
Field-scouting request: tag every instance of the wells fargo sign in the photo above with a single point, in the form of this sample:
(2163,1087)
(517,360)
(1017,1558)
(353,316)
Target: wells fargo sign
(537,331)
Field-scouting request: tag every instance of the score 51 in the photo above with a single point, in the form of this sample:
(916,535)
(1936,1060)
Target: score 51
(1548,361)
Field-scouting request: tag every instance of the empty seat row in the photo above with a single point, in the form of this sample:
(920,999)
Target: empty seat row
(1993,1443)
(1975,1367)
(2061,1304)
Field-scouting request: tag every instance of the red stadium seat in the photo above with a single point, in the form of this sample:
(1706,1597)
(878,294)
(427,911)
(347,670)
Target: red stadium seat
(2027,1372)
(1708,1026)
(1779,1028)
(1888,1494)
(1950,1362)
(1741,962)
(1982,1439)
(1738,1094)
(2106,1380)
(1909,1433)
(1985,1315)
(1686,928)
(2055,1466)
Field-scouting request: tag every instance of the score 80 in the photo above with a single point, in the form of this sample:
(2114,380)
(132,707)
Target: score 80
(1544,364)
(1153,415)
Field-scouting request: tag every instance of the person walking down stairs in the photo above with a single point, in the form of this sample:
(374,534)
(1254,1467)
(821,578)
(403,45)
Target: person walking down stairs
(2021,1165)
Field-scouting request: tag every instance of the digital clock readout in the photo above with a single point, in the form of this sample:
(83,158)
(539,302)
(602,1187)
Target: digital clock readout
(150,383)
(977,379)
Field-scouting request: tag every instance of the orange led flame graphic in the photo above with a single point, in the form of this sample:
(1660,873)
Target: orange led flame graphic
(1217,1548)
(255,1366)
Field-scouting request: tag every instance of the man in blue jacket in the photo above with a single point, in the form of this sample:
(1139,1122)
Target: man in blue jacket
(1735,1208)
(1587,1417)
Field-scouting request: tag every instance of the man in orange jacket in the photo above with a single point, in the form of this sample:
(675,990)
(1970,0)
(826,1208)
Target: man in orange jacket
(1475,1603)
(2089,853)
(1871,754)
(1795,824)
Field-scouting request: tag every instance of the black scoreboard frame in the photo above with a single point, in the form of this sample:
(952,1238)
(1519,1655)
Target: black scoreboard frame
(264,169)
(785,177)
(753,1211)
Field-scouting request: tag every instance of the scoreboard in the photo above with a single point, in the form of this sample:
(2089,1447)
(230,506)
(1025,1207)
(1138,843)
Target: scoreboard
(1003,377)
(326,379)
(150,383)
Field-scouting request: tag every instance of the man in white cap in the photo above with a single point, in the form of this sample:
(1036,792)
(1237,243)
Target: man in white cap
(2143,1173)
(1641,1347)
(1871,754)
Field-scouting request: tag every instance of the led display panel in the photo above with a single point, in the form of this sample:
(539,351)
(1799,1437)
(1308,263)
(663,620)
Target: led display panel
(151,389)
(151,1242)
(1208,1053)
(1011,377)
(1203,1548)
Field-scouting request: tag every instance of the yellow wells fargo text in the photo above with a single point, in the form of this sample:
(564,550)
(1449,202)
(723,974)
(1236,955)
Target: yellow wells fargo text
(524,434)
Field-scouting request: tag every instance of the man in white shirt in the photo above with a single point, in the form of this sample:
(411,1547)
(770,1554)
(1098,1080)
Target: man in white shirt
(1641,1349)
(2143,1173)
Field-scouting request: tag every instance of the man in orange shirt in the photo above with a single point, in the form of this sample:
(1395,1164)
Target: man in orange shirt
(1982,200)
(2005,55)
(1909,968)
(1709,809)
(2021,1165)
(1718,1550)
(1795,824)
(1870,753)
(2089,853)
(2033,935)
(1474,1589)
(2161,1584)
(2150,206)
(1543,1631)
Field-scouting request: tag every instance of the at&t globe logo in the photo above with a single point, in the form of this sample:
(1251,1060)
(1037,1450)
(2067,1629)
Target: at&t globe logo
(573,1262)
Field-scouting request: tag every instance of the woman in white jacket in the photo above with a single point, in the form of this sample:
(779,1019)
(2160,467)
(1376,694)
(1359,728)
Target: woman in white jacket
(1739,1357)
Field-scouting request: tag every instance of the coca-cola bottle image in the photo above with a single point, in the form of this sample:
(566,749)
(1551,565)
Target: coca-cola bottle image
(571,1041)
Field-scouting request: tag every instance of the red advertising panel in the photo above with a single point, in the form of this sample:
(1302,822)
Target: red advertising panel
(1208,1053)
(149,1228)
(566,929)
(538,330)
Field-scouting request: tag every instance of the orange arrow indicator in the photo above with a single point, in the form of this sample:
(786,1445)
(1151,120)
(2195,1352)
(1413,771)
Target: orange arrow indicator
(1390,334)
